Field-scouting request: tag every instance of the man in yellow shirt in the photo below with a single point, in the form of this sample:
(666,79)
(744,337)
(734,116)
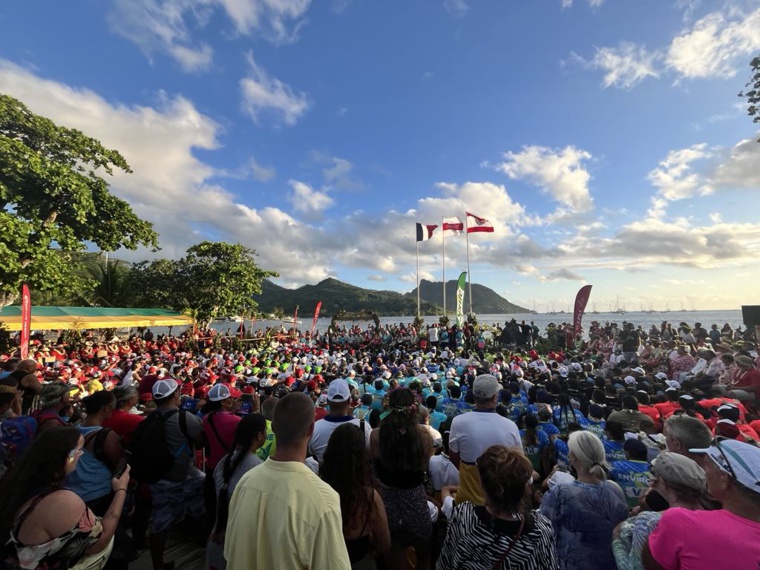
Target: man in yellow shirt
(281,514)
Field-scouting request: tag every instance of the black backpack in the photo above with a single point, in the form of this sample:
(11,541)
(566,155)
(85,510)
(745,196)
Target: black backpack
(151,459)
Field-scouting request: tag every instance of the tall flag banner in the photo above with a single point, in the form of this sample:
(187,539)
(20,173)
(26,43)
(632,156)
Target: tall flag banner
(26,321)
(477,224)
(452,224)
(460,298)
(316,316)
(581,300)
(295,317)
(425,231)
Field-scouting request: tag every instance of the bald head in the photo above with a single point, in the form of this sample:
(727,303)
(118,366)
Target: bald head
(293,419)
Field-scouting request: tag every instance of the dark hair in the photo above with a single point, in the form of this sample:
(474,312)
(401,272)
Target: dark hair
(630,402)
(504,474)
(531,424)
(248,429)
(346,468)
(293,417)
(97,401)
(431,402)
(615,429)
(40,468)
(566,411)
(455,392)
(374,418)
(401,439)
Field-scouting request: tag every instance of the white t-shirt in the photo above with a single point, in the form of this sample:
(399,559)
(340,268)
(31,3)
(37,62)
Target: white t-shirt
(323,430)
(442,472)
(433,332)
(473,433)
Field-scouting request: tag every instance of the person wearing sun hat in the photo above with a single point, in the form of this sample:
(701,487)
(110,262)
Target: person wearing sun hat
(724,538)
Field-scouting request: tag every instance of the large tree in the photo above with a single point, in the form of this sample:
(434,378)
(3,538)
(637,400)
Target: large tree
(214,279)
(752,92)
(54,200)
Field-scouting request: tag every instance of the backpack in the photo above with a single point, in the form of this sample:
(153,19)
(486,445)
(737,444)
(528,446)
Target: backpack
(151,459)
(98,439)
(16,436)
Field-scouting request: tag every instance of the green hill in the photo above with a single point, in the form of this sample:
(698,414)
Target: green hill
(336,296)
(485,301)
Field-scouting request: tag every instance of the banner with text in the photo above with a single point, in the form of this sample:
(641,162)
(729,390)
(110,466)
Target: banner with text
(581,300)
(460,297)
(316,316)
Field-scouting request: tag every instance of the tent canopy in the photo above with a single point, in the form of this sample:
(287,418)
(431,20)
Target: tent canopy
(54,318)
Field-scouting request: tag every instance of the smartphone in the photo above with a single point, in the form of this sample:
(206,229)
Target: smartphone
(121,466)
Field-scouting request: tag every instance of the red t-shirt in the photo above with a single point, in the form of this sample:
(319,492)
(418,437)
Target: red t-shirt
(146,384)
(319,413)
(749,378)
(652,412)
(667,409)
(220,436)
(123,423)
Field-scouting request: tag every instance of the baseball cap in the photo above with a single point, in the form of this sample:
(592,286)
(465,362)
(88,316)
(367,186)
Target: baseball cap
(221,392)
(164,388)
(661,376)
(485,386)
(678,470)
(738,459)
(629,380)
(338,391)
(638,370)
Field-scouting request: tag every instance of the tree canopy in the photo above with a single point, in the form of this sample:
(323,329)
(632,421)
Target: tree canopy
(214,279)
(54,200)
(752,92)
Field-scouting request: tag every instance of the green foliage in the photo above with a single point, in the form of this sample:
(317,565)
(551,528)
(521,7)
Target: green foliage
(752,94)
(337,296)
(214,279)
(53,199)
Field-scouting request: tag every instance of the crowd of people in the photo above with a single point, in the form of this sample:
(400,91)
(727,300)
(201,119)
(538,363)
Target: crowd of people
(396,448)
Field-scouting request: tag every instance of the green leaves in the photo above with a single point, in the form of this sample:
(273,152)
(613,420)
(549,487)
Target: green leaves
(52,201)
(214,279)
(752,94)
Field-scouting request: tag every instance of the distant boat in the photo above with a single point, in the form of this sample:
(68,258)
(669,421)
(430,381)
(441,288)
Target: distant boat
(234,319)
(291,322)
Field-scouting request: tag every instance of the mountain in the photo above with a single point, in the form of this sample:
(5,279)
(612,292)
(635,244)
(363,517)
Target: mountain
(336,296)
(485,301)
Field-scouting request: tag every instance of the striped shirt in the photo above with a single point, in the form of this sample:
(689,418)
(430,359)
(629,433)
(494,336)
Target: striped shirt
(476,541)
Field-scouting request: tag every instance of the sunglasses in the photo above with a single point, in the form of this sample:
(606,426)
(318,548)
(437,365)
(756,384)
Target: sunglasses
(725,464)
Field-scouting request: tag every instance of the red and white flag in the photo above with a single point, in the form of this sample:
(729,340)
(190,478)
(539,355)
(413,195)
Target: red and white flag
(452,225)
(477,224)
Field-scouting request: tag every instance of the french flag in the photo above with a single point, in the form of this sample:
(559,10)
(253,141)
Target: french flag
(425,231)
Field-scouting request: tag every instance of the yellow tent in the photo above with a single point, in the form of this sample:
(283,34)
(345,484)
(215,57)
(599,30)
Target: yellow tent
(55,318)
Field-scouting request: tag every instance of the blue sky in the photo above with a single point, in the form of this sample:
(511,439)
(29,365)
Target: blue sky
(603,139)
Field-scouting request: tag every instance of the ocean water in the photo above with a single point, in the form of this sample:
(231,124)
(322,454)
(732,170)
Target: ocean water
(542,320)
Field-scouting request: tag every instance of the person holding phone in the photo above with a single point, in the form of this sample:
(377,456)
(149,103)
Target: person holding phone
(45,525)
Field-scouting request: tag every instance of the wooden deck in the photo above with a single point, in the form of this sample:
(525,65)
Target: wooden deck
(181,548)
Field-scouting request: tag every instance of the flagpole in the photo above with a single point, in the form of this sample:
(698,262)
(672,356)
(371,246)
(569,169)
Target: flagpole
(469,274)
(418,279)
(443,261)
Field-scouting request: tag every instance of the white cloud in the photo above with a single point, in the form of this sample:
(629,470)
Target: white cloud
(624,66)
(167,26)
(456,8)
(741,169)
(259,172)
(675,178)
(263,93)
(376,278)
(308,201)
(340,6)
(713,45)
(592,3)
(561,173)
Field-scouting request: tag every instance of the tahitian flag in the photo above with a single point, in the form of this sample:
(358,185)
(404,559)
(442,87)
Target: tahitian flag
(460,298)
(316,316)
(26,321)
(581,300)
